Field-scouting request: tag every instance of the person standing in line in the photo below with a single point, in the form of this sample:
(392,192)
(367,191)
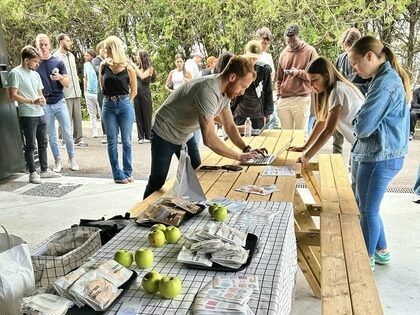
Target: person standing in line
(293,89)
(193,106)
(264,36)
(96,62)
(343,65)
(119,85)
(143,101)
(211,63)
(336,103)
(90,84)
(414,111)
(381,129)
(257,101)
(54,78)
(25,87)
(178,76)
(417,187)
(72,93)
(191,65)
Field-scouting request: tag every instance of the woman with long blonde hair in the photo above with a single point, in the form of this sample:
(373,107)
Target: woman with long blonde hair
(336,102)
(381,129)
(119,85)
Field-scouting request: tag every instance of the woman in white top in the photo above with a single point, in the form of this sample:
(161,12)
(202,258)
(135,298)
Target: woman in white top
(336,102)
(177,76)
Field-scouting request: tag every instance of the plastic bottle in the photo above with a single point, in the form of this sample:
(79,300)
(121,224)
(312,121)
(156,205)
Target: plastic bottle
(248,127)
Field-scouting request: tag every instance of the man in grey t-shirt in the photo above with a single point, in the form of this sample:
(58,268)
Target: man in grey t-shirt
(193,106)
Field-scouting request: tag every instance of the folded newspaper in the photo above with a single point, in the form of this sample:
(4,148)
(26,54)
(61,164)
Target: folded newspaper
(226,295)
(216,243)
(262,190)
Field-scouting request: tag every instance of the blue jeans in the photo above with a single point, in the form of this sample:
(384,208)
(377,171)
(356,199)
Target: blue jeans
(372,179)
(59,110)
(162,152)
(118,114)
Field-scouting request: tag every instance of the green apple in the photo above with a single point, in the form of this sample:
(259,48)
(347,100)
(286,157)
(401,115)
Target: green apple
(213,207)
(124,257)
(143,257)
(172,234)
(157,238)
(220,213)
(158,226)
(170,287)
(151,282)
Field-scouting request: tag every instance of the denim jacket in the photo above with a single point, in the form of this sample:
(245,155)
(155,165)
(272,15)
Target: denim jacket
(381,124)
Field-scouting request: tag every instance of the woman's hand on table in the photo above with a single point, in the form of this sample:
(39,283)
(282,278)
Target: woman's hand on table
(304,160)
(296,149)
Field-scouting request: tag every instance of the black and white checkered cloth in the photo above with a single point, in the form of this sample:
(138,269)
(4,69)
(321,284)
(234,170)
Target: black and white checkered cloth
(275,264)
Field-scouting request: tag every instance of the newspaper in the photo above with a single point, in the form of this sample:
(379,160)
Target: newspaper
(226,295)
(217,243)
(278,171)
(262,190)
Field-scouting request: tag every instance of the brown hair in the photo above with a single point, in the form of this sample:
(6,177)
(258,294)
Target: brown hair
(240,66)
(29,52)
(370,43)
(91,52)
(349,37)
(324,67)
(222,61)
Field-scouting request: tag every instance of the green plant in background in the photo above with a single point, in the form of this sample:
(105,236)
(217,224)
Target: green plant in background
(166,27)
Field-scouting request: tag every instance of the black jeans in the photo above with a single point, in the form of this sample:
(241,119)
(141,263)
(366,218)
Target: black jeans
(414,116)
(162,152)
(35,130)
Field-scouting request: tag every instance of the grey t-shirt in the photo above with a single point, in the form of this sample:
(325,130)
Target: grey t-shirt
(28,83)
(178,117)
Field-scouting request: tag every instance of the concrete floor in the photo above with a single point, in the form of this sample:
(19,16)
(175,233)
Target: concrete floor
(35,218)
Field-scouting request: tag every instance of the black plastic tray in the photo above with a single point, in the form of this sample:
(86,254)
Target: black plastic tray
(251,244)
(87,310)
(188,215)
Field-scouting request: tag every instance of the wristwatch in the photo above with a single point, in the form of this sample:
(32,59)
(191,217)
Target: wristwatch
(247,149)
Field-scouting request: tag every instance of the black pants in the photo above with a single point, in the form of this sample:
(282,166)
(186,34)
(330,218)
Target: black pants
(413,120)
(35,131)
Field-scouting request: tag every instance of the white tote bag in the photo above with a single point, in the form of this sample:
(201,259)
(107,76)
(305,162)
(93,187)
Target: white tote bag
(187,184)
(16,272)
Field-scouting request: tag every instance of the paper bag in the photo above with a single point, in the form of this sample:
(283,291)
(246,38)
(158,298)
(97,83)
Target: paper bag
(16,273)
(187,184)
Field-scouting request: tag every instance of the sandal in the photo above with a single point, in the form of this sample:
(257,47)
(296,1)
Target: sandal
(121,181)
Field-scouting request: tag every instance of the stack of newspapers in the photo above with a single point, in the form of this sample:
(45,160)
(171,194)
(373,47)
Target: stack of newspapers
(216,243)
(226,295)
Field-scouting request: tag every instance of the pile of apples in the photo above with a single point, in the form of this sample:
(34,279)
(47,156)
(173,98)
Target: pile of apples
(168,286)
(218,212)
(160,235)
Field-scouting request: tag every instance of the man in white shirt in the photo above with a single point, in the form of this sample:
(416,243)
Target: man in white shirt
(191,64)
(73,93)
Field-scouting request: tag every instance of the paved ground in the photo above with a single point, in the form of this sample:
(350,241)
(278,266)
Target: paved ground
(34,212)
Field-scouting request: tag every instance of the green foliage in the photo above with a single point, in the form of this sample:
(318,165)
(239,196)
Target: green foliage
(165,27)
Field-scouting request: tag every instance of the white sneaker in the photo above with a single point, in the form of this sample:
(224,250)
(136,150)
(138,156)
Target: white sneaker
(58,166)
(34,178)
(95,133)
(49,174)
(104,140)
(73,164)
(146,141)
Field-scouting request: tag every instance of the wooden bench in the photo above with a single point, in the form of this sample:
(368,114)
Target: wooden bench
(347,284)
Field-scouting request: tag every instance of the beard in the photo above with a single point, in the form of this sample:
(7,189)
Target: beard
(230,90)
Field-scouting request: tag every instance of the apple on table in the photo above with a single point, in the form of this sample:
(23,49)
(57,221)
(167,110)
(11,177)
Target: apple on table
(151,282)
(157,238)
(170,287)
(124,257)
(144,257)
(172,234)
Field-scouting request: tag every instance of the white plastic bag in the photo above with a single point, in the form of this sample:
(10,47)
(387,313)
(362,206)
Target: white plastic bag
(16,272)
(187,183)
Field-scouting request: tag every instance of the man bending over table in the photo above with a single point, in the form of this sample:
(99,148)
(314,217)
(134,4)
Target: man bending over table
(193,106)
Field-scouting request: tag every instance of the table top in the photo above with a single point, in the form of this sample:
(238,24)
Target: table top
(275,261)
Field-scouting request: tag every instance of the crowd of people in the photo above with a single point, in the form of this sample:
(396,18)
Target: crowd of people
(363,97)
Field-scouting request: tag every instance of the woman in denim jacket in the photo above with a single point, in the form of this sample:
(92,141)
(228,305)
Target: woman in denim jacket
(381,129)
